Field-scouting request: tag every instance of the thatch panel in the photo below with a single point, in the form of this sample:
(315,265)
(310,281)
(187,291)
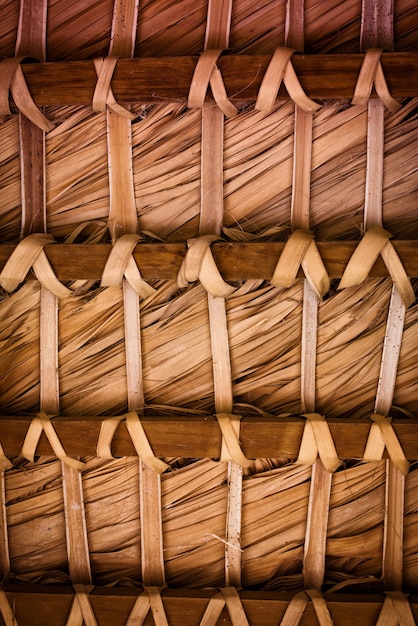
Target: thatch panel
(35,518)
(332,27)
(405,24)
(111,500)
(170,28)
(78,31)
(19,363)
(275,504)
(9,16)
(257,176)
(166,158)
(257,27)
(264,328)
(77,183)
(92,348)
(11,200)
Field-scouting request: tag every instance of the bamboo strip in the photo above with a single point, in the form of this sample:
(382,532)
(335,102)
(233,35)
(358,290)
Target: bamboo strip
(75,522)
(395,610)
(122,212)
(31,41)
(82,611)
(7,613)
(211,216)
(32,156)
(75,526)
(212,175)
(48,349)
(374,168)
(213,611)
(392,566)
(377,25)
(4,537)
(320,489)
(316,527)
(123,220)
(234,606)
(152,559)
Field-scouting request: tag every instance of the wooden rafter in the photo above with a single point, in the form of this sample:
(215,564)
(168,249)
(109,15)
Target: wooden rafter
(198,436)
(36,606)
(168,78)
(235,261)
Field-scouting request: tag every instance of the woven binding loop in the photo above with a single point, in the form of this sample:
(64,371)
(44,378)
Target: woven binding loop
(317,441)
(375,242)
(149,600)
(6,611)
(396,610)
(381,436)
(207,72)
(103,95)
(228,597)
(199,264)
(12,80)
(120,264)
(5,464)
(301,250)
(138,436)
(297,606)
(30,254)
(42,423)
(229,425)
(81,609)
(371,73)
(280,69)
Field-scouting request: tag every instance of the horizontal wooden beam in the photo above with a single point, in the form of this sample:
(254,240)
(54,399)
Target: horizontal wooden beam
(46,605)
(235,261)
(165,79)
(194,436)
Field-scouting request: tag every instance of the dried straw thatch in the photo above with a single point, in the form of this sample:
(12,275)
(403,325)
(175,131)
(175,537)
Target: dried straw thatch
(315,344)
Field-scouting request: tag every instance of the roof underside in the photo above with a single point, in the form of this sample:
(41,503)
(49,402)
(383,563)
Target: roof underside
(240,414)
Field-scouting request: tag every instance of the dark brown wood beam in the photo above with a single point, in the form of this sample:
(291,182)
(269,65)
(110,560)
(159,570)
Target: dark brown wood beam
(164,79)
(46,605)
(195,436)
(236,261)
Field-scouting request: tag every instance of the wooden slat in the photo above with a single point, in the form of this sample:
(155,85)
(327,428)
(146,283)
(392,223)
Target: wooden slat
(316,527)
(4,536)
(152,557)
(169,78)
(32,154)
(197,436)
(211,220)
(75,526)
(50,606)
(235,261)
(31,41)
(377,24)
(377,31)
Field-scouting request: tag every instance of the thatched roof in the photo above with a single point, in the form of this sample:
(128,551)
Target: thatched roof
(208,319)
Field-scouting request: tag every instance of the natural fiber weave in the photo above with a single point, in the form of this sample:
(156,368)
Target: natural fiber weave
(198,170)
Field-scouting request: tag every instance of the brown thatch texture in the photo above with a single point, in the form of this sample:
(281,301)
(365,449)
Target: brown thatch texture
(80,32)
(264,325)
(275,506)
(257,171)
